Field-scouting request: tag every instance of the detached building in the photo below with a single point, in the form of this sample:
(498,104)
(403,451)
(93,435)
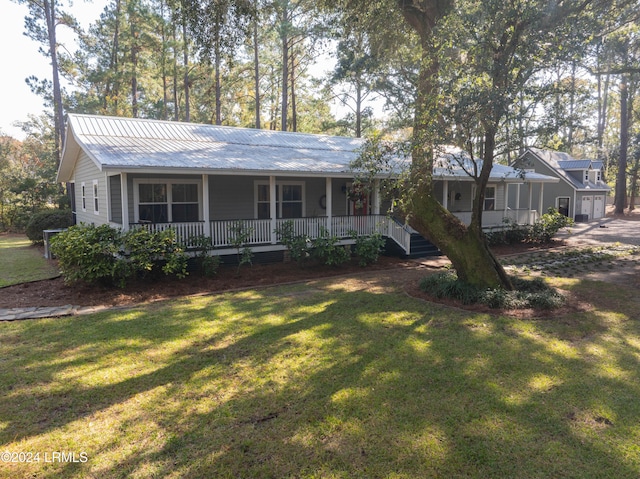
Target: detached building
(581,192)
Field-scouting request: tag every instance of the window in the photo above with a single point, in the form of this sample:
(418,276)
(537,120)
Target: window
(96,208)
(167,202)
(586,176)
(490,198)
(289,200)
(262,201)
(184,206)
(83,193)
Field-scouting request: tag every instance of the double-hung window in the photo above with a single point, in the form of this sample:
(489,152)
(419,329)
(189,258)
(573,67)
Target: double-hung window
(83,196)
(289,200)
(167,202)
(96,202)
(490,198)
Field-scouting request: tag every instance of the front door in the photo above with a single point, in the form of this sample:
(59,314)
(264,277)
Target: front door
(361,207)
(563,206)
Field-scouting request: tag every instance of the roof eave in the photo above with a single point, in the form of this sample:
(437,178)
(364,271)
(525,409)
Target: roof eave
(114,170)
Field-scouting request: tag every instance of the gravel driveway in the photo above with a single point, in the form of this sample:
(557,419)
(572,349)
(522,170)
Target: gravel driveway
(605,230)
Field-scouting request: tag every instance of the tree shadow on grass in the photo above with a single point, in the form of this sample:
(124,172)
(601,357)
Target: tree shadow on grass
(292,382)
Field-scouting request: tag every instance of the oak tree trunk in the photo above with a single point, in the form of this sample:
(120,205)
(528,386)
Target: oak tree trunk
(466,247)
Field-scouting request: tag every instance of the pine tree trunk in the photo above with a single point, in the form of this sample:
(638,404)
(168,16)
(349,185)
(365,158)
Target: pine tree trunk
(621,179)
(285,65)
(256,69)
(49,7)
(185,51)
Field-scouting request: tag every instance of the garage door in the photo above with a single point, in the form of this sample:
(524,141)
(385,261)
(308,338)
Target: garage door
(598,207)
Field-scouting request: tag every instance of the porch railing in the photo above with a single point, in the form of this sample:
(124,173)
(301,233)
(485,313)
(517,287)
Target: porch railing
(492,219)
(222,231)
(185,232)
(260,231)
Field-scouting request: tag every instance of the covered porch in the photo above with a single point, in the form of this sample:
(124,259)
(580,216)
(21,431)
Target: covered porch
(214,206)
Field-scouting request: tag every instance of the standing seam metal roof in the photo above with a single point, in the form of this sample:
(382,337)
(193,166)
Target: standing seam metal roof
(129,143)
(137,143)
(558,162)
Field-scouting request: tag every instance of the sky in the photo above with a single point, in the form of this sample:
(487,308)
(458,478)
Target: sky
(19,58)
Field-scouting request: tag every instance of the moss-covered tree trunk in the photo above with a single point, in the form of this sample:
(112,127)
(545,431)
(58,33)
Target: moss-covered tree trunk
(465,246)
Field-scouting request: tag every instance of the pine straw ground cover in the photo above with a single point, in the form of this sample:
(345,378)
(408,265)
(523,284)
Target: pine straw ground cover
(338,378)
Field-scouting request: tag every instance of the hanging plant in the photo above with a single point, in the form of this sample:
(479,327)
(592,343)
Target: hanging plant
(358,194)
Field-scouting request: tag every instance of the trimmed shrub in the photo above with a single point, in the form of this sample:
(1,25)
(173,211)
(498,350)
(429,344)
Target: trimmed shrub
(548,226)
(542,231)
(146,252)
(89,254)
(102,254)
(327,250)
(47,220)
(368,248)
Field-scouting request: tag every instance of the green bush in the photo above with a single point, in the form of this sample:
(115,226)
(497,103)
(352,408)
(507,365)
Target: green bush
(102,254)
(527,293)
(146,252)
(88,253)
(327,250)
(298,245)
(542,231)
(207,264)
(368,248)
(548,226)
(47,220)
(240,235)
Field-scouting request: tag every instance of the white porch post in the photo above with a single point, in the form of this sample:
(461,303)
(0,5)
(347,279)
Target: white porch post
(506,200)
(206,209)
(518,197)
(124,195)
(530,195)
(376,197)
(540,203)
(445,194)
(273,212)
(107,187)
(329,203)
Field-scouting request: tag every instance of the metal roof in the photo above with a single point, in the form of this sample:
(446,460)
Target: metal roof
(128,143)
(575,164)
(133,144)
(455,164)
(558,162)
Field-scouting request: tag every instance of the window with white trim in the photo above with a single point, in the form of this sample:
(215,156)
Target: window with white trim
(83,196)
(490,198)
(160,201)
(289,199)
(96,202)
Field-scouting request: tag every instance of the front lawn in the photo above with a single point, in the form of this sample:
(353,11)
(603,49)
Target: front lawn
(21,262)
(334,379)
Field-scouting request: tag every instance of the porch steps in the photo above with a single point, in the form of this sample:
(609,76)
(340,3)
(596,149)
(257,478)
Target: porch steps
(422,247)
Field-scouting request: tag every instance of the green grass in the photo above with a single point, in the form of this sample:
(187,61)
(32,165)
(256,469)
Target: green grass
(325,381)
(20,262)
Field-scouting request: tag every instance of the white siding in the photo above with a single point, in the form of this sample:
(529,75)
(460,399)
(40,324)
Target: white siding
(86,172)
